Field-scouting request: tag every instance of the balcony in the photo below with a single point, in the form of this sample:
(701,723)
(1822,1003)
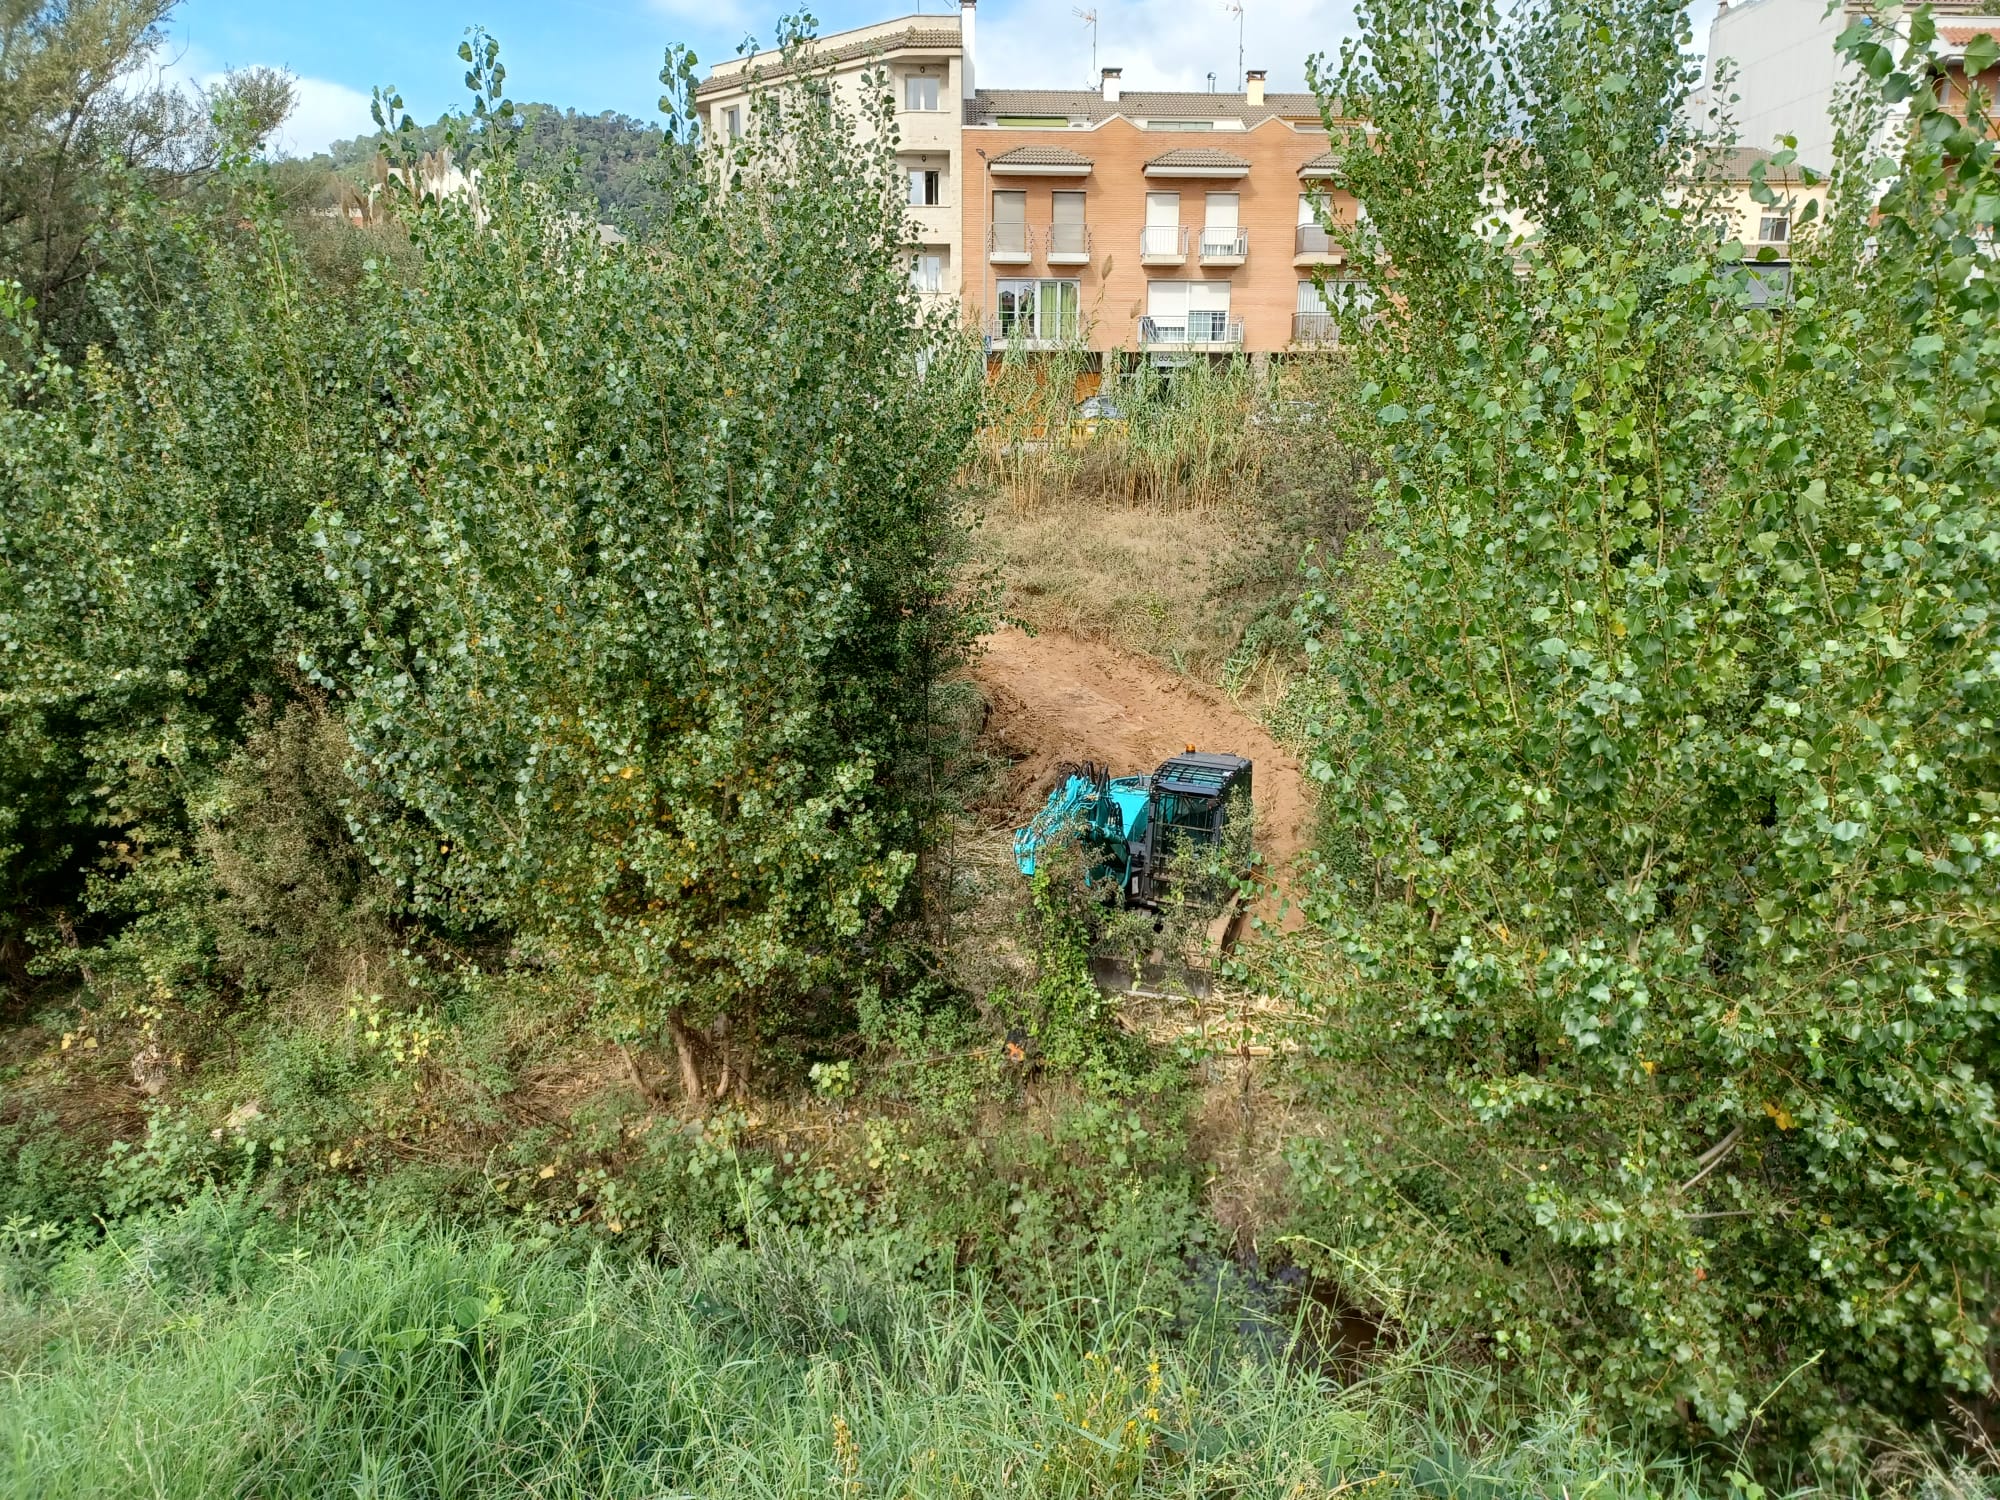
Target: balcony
(1021,331)
(1315,328)
(1069,244)
(1205,330)
(1313,246)
(1009,244)
(1163,245)
(1224,247)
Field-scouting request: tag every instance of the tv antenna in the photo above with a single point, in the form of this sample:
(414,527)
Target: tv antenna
(1089,18)
(1235,8)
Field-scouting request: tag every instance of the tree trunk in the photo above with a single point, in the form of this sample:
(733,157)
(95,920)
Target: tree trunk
(684,1053)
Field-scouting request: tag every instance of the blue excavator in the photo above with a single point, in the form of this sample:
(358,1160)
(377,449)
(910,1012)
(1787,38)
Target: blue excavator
(1132,828)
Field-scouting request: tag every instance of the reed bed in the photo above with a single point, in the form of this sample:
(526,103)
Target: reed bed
(1184,437)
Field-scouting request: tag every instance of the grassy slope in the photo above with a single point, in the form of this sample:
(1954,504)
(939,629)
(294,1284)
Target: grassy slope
(460,1363)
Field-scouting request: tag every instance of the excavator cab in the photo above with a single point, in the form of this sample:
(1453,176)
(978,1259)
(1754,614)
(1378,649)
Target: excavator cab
(1134,826)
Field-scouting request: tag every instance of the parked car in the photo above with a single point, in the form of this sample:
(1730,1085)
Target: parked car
(1095,415)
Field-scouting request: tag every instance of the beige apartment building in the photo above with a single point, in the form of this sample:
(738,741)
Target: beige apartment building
(928,60)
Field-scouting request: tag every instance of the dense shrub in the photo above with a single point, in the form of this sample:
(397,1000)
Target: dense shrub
(619,574)
(1659,719)
(654,567)
(157,582)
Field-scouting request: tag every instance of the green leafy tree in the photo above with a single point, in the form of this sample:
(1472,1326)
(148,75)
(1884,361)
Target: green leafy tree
(81,126)
(1657,925)
(654,568)
(157,584)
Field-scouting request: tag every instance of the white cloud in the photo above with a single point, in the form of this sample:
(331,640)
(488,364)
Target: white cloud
(1161,44)
(326,112)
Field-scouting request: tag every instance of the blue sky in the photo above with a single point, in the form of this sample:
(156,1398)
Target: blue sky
(605,54)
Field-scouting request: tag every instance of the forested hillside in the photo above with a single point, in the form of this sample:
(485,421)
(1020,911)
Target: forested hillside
(517,975)
(612,156)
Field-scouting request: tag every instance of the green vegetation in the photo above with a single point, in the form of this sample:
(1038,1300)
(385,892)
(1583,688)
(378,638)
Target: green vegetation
(432,1363)
(1659,706)
(610,157)
(504,991)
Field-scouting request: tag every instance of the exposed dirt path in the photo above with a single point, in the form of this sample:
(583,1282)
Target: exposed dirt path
(1054,698)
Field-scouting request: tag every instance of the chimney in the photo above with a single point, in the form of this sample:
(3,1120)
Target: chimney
(1253,87)
(965,19)
(1110,87)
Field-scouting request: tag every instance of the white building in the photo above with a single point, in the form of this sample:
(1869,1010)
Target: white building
(1788,74)
(929,63)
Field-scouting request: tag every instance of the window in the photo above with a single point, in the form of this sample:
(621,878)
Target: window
(1770,282)
(1347,295)
(925,188)
(927,271)
(1044,308)
(1010,222)
(1311,237)
(1034,122)
(1066,232)
(1219,234)
(1180,124)
(732,122)
(1162,234)
(1774,229)
(920,93)
(1191,312)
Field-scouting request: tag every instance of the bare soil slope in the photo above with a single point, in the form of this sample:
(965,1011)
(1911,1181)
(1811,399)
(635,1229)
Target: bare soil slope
(1055,698)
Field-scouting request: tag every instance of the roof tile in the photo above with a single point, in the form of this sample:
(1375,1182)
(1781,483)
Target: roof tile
(1198,156)
(1041,156)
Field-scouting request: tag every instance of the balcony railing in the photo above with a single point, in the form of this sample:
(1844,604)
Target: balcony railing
(1163,245)
(1069,244)
(1009,244)
(1206,330)
(1224,247)
(1013,331)
(1313,240)
(1315,328)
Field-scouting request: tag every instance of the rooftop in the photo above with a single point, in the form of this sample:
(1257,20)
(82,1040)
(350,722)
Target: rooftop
(1041,156)
(1198,159)
(920,33)
(990,105)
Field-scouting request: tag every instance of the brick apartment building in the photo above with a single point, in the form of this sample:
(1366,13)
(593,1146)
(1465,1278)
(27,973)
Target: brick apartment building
(1156,222)
(1163,224)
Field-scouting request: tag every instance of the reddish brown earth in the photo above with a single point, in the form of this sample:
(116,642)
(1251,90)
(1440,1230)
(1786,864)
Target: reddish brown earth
(1054,698)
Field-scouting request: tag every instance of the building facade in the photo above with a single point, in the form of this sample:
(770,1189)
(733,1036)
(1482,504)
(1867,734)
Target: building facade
(929,67)
(1787,75)
(1159,223)
(1167,224)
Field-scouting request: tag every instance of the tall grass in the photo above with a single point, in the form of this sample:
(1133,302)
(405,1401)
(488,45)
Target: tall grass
(450,1364)
(1184,438)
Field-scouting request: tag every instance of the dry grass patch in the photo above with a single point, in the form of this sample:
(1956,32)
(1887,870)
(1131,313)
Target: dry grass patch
(1139,577)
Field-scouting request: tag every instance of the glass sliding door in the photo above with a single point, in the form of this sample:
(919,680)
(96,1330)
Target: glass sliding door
(1044,310)
(1066,234)
(1208,312)
(1056,310)
(1219,230)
